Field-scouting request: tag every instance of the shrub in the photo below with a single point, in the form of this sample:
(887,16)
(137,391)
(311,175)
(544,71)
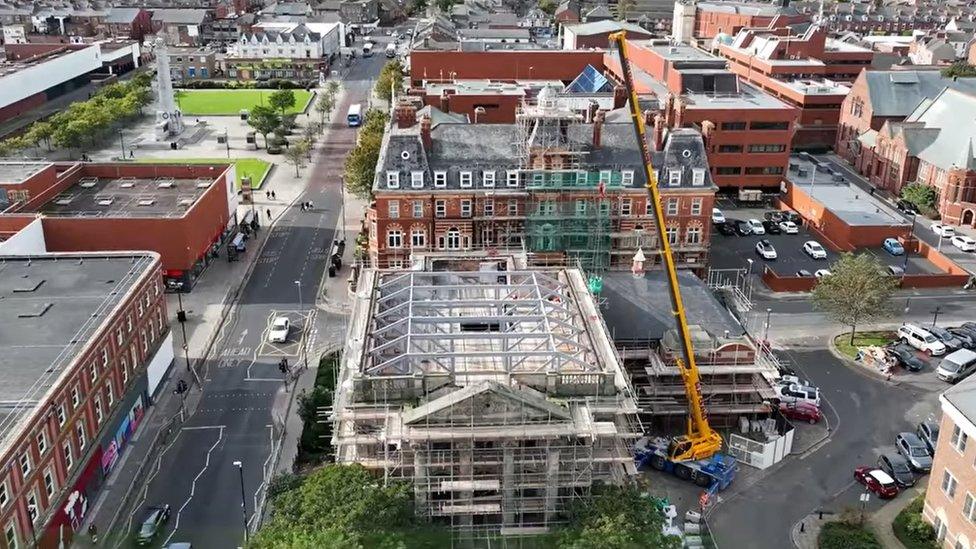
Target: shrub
(911,529)
(841,535)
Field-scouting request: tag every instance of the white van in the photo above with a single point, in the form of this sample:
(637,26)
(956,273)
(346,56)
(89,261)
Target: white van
(921,339)
(956,365)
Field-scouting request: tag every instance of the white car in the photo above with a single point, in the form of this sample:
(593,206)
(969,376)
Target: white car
(765,249)
(944,231)
(813,249)
(798,393)
(279,330)
(788,227)
(717,216)
(756,226)
(822,273)
(964,243)
(921,339)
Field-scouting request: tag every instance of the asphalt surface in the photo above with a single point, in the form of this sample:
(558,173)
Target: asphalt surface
(864,414)
(233,421)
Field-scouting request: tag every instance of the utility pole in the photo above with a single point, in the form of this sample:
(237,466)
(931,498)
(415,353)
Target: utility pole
(935,318)
(240,469)
(306,328)
(181,318)
(122,144)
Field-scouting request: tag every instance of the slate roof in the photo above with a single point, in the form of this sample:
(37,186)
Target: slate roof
(947,130)
(180,16)
(298,33)
(122,15)
(897,93)
(601,27)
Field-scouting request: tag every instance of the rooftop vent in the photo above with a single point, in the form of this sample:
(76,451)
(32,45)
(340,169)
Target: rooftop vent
(146,202)
(88,182)
(187,202)
(165,183)
(31,285)
(37,312)
(127,185)
(64,200)
(105,201)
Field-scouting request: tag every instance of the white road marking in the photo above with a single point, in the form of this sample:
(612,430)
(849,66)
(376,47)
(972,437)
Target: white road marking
(202,427)
(193,486)
(240,340)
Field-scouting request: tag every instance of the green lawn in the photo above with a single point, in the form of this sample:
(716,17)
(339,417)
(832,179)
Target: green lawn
(254,167)
(230,102)
(841,535)
(861,339)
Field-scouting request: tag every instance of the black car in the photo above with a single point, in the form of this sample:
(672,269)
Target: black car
(906,207)
(742,228)
(906,357)
(725,228)
(772,227)
(897,468)
(790,215)
(951,342)
(773,216)
(965,330)
(928,431)
(152,524)
(971,326)
(968,338)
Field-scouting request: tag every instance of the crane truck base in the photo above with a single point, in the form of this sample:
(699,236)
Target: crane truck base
(714,474)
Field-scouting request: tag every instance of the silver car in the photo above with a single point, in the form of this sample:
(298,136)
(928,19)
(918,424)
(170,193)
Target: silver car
(915,451)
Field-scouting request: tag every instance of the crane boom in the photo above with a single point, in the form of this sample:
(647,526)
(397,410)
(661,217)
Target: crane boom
(700,442)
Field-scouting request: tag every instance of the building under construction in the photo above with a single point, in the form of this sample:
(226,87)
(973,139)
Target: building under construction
(497,393)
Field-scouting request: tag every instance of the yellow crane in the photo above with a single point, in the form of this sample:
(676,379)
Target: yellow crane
(700,441)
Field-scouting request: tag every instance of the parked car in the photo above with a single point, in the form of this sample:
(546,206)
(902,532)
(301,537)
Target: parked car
(756,226)
(804,272)
(800,411)
(956,365)
(280,327)
(906,207)
(772,227)
(945,231)
(968,338)
(789,227)
(152,522)
(822,273)
(921,339)
(717,216)
(774,215)
(797,393)
(876,481)
(895,270)
(813,249)
(893,247)
(950,340)
(897,468)
(790,379)
(905,355)
(915,451)
(725,228)
(964,243)
(743,228)
(928,431)
(765,249)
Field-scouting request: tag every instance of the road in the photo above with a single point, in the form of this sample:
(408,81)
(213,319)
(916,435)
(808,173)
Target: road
(864,415)
(197,477)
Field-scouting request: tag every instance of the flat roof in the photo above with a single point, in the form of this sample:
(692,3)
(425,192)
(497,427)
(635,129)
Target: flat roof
(10,67)
(748,97)
(127,197)
(808,86)
(52,305)
(12,173)
(477,87)
(680,52)
(850,203)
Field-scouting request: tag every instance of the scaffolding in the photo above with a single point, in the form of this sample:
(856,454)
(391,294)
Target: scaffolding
(493,392)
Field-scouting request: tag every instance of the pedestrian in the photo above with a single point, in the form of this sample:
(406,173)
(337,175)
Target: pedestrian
(93,532)
(273,196)
(269,213)
(132,153)
(267,194)
(303,206)
(310,205)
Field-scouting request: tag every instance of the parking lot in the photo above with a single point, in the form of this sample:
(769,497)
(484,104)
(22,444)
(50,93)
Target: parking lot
(733,252)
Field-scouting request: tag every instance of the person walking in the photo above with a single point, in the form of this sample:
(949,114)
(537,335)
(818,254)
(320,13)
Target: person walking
(273,196)
(93,532)
(269,213)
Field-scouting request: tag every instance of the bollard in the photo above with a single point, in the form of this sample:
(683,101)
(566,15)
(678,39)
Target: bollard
(803,528)
(820,514)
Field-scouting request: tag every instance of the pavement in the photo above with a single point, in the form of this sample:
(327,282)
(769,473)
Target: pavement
(243,412)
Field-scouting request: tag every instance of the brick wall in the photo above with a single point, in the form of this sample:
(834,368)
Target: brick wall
(501,65)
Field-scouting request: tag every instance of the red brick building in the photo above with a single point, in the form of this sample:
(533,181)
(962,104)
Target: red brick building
(596,34)
(507,66)
(134,23)
(807,71)
(699,22)
(84,365)
(877,97)
(747,132)
(184,213)
(565,189)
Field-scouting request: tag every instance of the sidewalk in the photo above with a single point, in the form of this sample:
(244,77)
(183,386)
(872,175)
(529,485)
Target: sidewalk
(806,532)
(880,521)
(208,307)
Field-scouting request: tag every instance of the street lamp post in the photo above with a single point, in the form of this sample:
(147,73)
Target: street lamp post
(181,317)
(935,313)
(769,313)
(301,307)
(240,469)
(911,236)
(227,143)
(122,144)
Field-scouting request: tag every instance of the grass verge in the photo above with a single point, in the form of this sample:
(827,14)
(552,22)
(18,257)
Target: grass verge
(862,339)
(254,167)
(911,530)
(230,102)
(844,535)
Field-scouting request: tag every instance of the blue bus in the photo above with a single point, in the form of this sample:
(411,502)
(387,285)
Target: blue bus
(355,115)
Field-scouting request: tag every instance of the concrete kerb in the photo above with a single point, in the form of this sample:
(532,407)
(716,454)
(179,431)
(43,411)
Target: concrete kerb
(858,368)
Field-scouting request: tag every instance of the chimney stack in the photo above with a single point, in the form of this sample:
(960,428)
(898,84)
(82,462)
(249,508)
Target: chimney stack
(658,140)
(405,114)
(598,128)
(425,132)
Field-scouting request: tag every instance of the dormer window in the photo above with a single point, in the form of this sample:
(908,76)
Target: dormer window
(393,180)
(604,177)
(465,179)
(417,180)
(488,179)
(440,180)
(512,178)
(627,178)
(698,177)
(674,178)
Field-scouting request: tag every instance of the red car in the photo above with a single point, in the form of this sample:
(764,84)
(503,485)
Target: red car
(800,411)
(877,481)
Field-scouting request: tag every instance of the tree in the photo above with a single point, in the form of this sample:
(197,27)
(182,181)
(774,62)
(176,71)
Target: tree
(41,131)
(264,121)
(615,517)
(445,5)
(332,88)
(858,291)
(548,6)
(390,80)
(920,194)
(282,100)
(418,7)
(296,155)
(624,7)
(325,105)
(959,68)
(360,165)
